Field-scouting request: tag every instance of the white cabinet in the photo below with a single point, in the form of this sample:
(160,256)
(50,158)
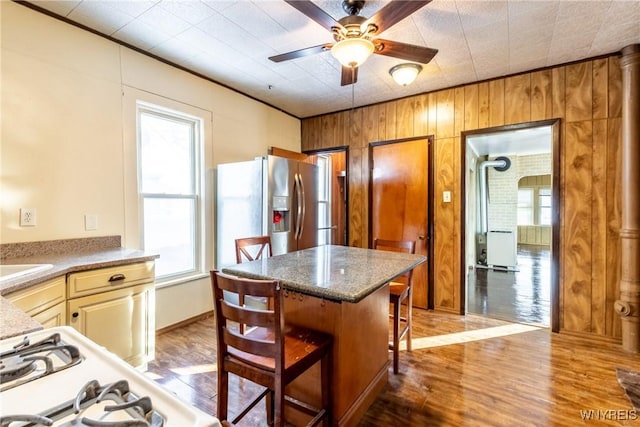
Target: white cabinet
(44,302)
(115,307)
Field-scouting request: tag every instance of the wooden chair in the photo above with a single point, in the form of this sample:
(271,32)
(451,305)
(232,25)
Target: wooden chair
(251,249)
(399,293)
(272,354)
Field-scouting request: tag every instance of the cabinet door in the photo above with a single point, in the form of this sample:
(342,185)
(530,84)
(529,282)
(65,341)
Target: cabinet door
(54,316)
(121,320)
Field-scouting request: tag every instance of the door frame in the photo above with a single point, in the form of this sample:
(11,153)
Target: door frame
(555,213)
(340,149)
(430,227)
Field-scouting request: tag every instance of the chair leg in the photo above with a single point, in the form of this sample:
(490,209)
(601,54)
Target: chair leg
(223,394)
(278,410)
(409,310)
(325,385)
(396,339)
(270,401)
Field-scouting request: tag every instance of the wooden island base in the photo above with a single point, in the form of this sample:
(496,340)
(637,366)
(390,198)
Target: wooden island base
(360,351)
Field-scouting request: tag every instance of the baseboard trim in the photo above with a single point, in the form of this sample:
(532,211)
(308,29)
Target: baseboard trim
(184,322)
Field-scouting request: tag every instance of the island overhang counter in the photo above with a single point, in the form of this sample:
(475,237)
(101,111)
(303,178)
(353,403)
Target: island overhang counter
(342,291)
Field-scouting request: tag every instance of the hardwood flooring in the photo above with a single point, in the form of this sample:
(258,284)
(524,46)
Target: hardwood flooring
(517,296)
(463,371)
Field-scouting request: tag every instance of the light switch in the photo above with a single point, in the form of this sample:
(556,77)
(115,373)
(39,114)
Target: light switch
(446,196)
(90,222)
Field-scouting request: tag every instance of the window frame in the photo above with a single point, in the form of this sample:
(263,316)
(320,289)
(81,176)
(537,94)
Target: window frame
(197,142)
(541,206)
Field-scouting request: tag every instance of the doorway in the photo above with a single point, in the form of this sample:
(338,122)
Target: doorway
(511,228)
(333,227)
(400,202)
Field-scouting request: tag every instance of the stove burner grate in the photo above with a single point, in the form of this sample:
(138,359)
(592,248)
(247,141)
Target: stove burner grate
(27,362)
(127,409)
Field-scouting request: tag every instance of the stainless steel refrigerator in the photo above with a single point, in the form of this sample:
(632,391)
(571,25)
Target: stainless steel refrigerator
(271,196)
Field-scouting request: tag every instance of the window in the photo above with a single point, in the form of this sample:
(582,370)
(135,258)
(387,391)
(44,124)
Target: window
(324,200)
(544,206)
(525,206)
(169,146)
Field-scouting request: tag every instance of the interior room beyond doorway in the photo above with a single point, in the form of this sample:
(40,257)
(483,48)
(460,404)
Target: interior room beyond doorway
(508,228)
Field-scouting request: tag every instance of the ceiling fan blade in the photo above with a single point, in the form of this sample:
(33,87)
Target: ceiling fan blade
(301,52)
(394,12)
(405,51)
(315,13)
(349,76)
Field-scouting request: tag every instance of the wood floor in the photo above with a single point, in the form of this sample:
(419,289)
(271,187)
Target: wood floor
(517,296)
(463,371)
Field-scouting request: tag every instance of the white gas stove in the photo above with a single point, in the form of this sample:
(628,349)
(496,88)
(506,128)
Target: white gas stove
(58,377)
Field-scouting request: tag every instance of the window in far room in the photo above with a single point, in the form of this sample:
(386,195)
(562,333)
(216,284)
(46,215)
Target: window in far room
(544,205)
(169,164)
(525,206)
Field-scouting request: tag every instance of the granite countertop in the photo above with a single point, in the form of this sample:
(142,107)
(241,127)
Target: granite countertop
(65,256)
(337,273)
(15,321)
(70,262)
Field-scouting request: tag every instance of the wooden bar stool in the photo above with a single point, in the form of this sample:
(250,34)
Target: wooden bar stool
(399,294)
(272,354)
(251,249)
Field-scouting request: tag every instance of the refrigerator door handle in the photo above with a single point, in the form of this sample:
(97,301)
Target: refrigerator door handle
(297,181)
(304,206)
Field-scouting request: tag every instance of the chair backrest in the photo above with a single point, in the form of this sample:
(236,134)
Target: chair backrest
(268,341)
(408,246)
(252,248)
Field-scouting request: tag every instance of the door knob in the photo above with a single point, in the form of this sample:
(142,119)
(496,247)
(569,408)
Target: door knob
(421,237)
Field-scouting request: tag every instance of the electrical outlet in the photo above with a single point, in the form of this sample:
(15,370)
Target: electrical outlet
(446,196)
(28,217)
(90,222)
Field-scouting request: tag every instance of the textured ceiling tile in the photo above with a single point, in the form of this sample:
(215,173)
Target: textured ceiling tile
(142,35)
(477,40)
(481,13)
(163,20)
(100,16)
(62,8)
(131,8)
(190,11)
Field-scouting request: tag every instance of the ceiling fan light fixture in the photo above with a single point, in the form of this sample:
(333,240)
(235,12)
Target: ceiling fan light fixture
(352,52)
(405,74)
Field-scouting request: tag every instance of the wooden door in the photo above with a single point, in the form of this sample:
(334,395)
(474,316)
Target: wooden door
(399,202)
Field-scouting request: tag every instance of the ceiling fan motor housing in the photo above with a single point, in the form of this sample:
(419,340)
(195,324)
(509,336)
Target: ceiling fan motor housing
(352,26)
(353,7)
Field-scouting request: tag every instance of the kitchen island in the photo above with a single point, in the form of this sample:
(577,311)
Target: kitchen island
(342,291)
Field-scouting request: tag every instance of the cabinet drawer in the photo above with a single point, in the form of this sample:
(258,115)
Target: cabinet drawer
(106,279)
(38,298)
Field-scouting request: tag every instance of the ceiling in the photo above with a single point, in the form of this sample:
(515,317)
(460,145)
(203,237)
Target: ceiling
(521,142)
(230,41)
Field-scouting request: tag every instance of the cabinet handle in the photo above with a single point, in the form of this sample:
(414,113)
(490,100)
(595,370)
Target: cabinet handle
(75,315)
(117,277)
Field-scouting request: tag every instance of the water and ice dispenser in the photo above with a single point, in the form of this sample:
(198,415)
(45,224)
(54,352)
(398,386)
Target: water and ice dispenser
(280,218)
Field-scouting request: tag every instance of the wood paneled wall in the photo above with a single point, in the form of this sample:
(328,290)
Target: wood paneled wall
(586,96)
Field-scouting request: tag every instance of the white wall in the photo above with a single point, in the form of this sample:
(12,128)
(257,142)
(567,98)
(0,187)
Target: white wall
(65,145)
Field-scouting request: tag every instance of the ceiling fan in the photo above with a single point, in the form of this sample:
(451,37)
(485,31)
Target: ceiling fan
(354,35)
